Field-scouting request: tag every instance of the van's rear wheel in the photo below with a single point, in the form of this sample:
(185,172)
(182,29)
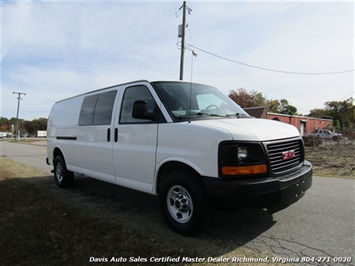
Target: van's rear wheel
(62,176)
(183,202)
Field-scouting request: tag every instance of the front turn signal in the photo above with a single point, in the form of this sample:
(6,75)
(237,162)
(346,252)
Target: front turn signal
(244,170)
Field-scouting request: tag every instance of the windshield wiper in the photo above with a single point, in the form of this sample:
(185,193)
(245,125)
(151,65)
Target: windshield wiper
(227,115)
(208,114)
(199,114)
(193,115)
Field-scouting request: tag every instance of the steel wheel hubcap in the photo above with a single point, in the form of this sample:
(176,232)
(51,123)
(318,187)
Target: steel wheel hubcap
(59,172)
(179,204)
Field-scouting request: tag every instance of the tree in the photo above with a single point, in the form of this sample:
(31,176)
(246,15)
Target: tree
(342,112)
(320,113)
(254,98)
(4,124)
(286,108)
(273,106)
(36,124)
(25,126)
(247,99)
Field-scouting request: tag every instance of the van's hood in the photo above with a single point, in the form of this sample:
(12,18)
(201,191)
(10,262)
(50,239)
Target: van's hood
(252,129)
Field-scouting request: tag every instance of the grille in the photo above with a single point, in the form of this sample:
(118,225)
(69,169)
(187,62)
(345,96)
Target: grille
(285,155)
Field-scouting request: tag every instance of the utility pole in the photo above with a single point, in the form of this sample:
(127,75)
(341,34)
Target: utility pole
(183,40)
(18,109)
(182,36)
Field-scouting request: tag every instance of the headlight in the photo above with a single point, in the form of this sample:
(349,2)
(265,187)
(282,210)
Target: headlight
(242,159)
(242,153)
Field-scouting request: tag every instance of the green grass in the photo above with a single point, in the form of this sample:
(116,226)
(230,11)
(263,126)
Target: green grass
(26,140)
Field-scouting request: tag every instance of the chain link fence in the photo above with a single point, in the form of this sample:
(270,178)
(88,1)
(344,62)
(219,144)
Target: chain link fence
(335,139)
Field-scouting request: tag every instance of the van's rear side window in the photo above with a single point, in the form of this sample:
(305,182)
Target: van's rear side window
(97,109)
(87,110)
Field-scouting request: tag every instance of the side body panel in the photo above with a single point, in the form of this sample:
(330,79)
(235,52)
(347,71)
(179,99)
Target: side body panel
(86,149)
(92,151)
(62,128)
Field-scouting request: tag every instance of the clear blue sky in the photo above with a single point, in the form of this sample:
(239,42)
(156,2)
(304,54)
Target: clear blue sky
(52,50)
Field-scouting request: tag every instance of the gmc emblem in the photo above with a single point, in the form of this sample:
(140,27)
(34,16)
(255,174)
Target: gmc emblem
(288,155)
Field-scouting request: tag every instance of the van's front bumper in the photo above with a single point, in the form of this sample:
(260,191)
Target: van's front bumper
(273,193)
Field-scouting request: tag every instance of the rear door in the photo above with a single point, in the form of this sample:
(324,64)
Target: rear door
(135,140)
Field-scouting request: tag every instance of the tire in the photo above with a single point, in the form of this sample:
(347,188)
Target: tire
(335,138)
(62,176)
(183,202)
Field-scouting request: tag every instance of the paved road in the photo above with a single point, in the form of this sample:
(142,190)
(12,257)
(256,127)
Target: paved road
(33,153)
(321,224)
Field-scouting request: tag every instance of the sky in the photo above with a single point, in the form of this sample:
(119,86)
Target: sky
(300,51)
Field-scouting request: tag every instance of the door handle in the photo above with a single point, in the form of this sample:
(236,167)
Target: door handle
(108,135)
(116,134)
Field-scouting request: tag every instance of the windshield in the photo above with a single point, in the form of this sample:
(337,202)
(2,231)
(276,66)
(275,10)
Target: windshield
(190,100)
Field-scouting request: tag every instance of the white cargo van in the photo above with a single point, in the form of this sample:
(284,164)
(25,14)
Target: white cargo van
(187,143)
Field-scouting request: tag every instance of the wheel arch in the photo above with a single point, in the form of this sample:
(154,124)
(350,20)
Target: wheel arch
(172,166)
(57,151)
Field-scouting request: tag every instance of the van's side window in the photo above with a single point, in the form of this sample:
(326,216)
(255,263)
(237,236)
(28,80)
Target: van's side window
(131,95)
(87,110)
(103,109)
(97,109)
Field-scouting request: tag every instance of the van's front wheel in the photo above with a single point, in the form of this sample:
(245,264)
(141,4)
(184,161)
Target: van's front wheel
(62,176)
(183,202)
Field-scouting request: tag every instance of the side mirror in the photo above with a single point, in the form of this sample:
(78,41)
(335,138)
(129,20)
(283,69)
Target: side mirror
(140,111)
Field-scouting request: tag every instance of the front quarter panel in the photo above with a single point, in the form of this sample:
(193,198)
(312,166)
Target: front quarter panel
(191,144)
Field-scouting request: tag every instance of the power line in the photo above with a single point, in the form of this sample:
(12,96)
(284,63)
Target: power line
(114,54)
(135,66)
(346,96)
(272,70)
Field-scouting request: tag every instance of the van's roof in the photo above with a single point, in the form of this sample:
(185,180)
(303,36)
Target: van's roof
(88,92)
(131,82)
